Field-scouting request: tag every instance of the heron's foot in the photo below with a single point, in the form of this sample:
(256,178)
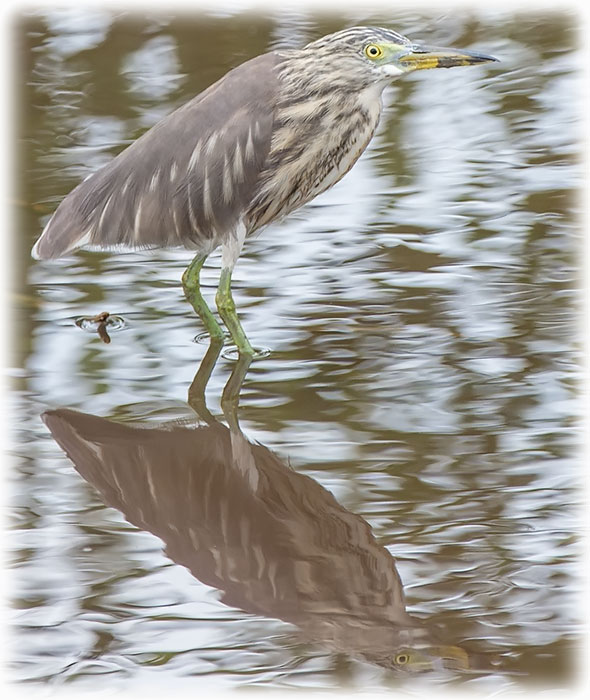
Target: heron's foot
(192,291)
(231,352)
(213,328)
(227,310)
(205,339)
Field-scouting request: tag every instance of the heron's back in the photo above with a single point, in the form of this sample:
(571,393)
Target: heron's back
(185,182)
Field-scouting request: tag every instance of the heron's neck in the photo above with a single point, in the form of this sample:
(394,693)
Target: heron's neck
(370,98)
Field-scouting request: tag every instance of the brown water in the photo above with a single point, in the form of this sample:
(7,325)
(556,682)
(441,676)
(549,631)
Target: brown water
(414,425)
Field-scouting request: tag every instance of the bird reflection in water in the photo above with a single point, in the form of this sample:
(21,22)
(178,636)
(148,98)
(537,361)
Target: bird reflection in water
(273,541)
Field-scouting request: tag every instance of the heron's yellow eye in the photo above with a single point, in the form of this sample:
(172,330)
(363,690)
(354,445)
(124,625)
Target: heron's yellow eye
(402,659)
(373,51)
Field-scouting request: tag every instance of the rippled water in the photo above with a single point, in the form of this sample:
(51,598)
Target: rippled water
(413,431)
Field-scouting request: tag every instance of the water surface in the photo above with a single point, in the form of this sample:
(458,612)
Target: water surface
(413,429)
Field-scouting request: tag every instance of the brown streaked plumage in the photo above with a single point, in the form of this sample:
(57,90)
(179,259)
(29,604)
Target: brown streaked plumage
(265,139)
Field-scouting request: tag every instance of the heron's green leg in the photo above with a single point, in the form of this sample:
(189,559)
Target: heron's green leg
(227,310)
(192,291)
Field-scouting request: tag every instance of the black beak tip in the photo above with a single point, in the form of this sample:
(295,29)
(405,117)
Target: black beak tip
(476,57)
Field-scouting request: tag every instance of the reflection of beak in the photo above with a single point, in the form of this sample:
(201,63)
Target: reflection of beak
(423,57)
(452,657)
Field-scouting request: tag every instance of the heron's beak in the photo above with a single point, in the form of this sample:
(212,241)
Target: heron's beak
(423,57)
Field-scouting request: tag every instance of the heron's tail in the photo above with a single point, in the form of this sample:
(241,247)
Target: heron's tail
(62,234)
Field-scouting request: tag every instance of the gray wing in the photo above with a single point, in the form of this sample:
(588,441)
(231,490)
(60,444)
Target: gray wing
(185,182)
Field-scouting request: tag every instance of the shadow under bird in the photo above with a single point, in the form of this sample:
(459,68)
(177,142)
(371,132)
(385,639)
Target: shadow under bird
(265,139)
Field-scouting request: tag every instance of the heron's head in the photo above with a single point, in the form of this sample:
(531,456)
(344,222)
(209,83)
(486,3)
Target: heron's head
(374,54)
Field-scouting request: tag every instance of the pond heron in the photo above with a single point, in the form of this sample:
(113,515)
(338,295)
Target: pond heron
(262,141)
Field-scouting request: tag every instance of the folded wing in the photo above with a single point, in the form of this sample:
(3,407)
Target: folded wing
(186,182)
